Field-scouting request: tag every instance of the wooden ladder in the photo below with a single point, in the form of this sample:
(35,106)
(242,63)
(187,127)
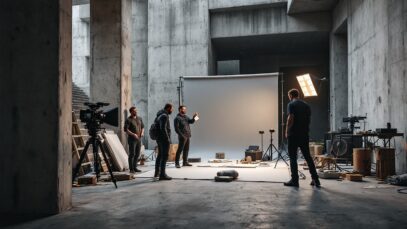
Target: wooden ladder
(78,144)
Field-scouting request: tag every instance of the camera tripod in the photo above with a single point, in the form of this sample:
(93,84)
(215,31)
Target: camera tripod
(96,143)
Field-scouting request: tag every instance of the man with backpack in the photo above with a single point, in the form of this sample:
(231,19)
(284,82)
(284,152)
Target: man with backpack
(162,135)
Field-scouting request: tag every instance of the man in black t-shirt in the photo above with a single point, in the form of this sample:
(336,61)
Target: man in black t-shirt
(299,118)
(134,127)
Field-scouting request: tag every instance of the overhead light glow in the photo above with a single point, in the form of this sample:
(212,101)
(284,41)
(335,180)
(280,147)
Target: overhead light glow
(306,85)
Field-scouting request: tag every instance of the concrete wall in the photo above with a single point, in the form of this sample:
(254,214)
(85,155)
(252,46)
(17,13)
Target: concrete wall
(271,20)
(35,95)
(140,58)
(227,5)
(81,47)
(111,56)
(377,63)
(338,80)
(178,45)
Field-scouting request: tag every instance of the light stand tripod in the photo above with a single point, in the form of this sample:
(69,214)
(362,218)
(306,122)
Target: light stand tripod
(96,144)
(268,155)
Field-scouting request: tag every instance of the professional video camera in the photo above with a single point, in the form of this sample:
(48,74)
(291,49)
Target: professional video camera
(93,117)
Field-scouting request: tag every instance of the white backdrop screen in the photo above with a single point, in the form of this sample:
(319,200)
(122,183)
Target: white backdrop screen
(232,110)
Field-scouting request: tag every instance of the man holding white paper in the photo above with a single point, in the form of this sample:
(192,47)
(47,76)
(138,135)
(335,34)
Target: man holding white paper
(181,125)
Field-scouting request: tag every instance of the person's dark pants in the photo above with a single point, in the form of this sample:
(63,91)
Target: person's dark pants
(183,146)
(134,153)
(295,142)
(162,157)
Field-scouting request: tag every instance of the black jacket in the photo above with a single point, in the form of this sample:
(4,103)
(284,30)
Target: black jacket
(181,125)
(165,129)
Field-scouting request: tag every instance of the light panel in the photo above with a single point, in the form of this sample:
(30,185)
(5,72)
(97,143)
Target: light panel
(306,85)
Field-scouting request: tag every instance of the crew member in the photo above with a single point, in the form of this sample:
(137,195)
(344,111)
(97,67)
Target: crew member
(298,121)
(134,128)
(181,125)
(163,141)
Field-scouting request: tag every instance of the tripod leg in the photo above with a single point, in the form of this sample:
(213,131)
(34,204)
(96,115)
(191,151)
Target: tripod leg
(107,163)
(96,159)
(279,156)
(78,166)
(267,154)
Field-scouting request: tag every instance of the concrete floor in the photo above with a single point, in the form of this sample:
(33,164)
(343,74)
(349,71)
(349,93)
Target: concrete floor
(143,203)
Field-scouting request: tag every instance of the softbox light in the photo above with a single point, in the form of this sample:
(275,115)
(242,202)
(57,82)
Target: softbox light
(306,85)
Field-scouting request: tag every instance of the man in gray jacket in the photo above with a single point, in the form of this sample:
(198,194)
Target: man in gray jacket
(181,125)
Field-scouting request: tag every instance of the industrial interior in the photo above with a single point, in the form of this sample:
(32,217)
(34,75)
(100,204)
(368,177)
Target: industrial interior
(182,113)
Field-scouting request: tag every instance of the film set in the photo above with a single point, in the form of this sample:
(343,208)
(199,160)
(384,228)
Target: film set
(203,114)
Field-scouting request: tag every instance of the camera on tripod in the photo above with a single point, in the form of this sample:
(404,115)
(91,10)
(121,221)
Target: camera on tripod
(94,117)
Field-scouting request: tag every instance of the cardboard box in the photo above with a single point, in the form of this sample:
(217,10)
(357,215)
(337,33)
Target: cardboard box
(171,153)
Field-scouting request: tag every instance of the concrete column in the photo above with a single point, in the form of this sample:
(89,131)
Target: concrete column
(110,76)
(140,58)
(338,80)
(35,98)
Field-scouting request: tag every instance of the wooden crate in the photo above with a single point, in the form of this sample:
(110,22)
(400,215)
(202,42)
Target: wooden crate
(255,155)
(354,177)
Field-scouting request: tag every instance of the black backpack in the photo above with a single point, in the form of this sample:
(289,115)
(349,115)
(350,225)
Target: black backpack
(154,130)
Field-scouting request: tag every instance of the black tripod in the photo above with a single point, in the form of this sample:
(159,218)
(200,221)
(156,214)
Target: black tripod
(96,143)
(268,155)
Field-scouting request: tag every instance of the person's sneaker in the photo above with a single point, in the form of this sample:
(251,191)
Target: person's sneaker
(177,166)
(132,171)
(156,173)
(137,170)
(291,183)
(165,177)
(186,164)
(316,183)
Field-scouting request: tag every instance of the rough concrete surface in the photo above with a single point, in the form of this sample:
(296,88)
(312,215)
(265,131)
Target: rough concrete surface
(110,29)
(142,203)
(377,52)
(35,92)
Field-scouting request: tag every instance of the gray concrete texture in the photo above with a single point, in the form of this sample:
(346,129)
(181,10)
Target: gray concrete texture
(178,37)
(140,58)
(81,47)
(111,56)
(206,204)
(377,63)
(35,94)
(307,6)
(271,20)
(228,5)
